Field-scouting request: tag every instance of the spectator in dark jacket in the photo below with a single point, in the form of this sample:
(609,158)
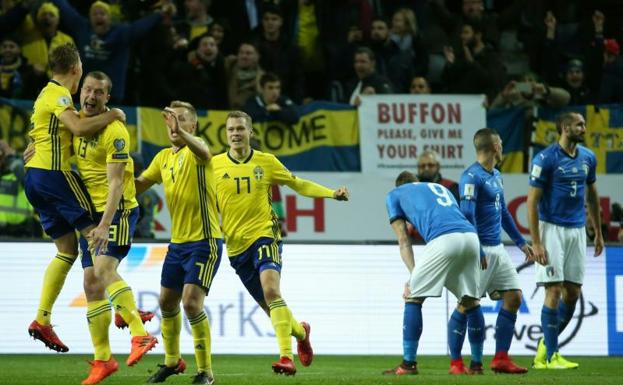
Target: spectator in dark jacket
(576,86)
(270,104)
(18,79)
(368,81)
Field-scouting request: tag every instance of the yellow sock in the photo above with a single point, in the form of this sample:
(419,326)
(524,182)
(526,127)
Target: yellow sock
(280,317)
(98,317)
(171,328)
(122,299)
(53,281)
(297,330)
(202,341)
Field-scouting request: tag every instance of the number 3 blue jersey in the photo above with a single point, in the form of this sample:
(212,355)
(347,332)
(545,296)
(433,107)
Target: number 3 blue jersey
(563,180)
(429,207)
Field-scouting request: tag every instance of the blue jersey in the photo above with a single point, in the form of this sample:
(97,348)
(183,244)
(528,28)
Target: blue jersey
(429,207)
(563,180)
(483,204)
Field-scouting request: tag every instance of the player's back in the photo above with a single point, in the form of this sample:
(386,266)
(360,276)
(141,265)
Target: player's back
(429,207)
(52,140)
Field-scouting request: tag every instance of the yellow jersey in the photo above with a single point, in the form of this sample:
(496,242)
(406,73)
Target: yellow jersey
(110,145)
(189,193)
(51,138)
(243,194)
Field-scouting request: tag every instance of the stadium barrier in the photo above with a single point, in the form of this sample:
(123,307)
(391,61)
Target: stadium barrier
(351,295)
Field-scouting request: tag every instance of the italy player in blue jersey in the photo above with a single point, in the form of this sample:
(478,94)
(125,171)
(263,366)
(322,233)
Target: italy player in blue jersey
(482,202)
(450,259)
(560,176)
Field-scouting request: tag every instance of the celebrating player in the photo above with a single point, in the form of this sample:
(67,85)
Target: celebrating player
(560,176)
(482,202)
(56,192)
(196,241)
(243,184)
(449,259)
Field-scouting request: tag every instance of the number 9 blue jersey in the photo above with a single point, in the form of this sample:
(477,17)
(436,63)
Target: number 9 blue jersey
(429,207)
(563,180)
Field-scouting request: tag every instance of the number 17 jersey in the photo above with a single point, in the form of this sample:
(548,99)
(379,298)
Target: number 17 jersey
(563,179)
(429,207)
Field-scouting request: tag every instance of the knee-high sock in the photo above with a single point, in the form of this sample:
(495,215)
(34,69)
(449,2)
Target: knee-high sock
(202,341)
(504,329)
(411,331)
(53,281)
(549,323)
(280,317)
(476,332)
(171,328)
(297,330)
(565,313)
(98,317)
(122,299)
(456,333)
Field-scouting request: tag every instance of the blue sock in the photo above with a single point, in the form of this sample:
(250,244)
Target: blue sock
(549,323)
(456,333)
(565,313)
(411,331)
(476,332)
(504,328)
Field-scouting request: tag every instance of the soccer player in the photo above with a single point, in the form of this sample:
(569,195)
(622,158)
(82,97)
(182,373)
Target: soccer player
(196,245)
(561,175)
(450,259)
(243,184)
(482,203)
(56,192)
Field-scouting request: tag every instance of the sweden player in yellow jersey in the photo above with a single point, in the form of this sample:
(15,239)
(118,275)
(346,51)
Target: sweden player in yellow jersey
(243,185)
(52,188)
(196,241)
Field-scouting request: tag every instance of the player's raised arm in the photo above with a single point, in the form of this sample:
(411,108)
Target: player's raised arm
(306,187)
(173,119)
(534,197)
(592,199)
(89,126)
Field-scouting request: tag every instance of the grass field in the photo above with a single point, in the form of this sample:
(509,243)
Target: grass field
(255,370)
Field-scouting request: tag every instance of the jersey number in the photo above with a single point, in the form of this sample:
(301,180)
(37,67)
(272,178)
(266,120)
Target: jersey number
(239,182)
(444,199)
(574,188)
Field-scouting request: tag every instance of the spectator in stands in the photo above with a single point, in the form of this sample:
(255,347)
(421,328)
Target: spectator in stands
(368,81)
(197,21)
(611,90)
(201,78)
(278,55)
(419,85)
(104,46)
(18,78)
(16,214)
(12,15)
(148,202)
(406,35)
(574,83)
(37,44)
(429,170)
(221,31)
(530,92)
(270,104)
(243,17)
(243,73)
(473,67)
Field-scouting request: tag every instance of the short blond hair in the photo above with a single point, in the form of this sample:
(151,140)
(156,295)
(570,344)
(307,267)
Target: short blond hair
(189,107)
(241,115)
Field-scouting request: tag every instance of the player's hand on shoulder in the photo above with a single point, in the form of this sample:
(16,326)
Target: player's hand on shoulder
(341,194)
(29,152)
(119,114)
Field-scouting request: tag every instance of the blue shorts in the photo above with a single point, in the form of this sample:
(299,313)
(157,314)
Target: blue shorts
(120,235)
(191,262)
(265,253)
(60,198)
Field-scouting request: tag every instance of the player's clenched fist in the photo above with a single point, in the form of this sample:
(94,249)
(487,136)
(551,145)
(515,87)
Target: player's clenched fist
(341,194)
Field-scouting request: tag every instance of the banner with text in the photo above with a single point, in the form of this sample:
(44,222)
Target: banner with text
(371,292)
(396,129)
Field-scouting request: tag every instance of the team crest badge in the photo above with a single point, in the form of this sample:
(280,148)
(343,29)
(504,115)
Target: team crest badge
(258,173)
(585,168)
(64,101)
(119,144)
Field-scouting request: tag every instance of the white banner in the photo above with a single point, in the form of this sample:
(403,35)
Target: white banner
(356,310)
(395,129)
